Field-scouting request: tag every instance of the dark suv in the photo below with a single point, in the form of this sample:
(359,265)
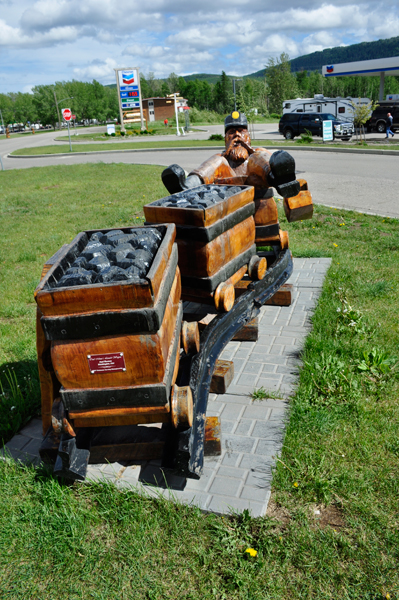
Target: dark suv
(292,124)
(378,119)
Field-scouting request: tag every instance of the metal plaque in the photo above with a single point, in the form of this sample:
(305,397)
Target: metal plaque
(106,363)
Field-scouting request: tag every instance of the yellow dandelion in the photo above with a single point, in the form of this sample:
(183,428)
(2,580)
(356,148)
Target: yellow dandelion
(336,245)
(296,484)
(387,595)
(251,552)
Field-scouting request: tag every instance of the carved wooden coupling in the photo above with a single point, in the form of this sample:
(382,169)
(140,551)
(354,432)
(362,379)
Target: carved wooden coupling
(215,239)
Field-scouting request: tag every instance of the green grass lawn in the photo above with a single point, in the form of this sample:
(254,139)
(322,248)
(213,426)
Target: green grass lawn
(115,145)
(183,142)
(340,454)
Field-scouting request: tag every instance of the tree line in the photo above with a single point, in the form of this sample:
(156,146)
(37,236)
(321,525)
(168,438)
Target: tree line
(86,100)
(95,101)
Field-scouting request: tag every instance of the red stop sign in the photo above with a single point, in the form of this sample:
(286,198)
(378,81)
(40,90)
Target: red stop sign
(67,114)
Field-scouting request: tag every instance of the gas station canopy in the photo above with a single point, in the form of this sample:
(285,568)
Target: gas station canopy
(377,66)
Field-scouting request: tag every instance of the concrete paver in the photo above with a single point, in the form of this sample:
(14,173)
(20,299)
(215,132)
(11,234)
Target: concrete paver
(252,431)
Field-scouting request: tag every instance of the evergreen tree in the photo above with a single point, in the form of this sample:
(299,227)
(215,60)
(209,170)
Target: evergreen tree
(223,94)
(165,89)
(282,84)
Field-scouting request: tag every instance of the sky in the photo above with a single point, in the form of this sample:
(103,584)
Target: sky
(59,40)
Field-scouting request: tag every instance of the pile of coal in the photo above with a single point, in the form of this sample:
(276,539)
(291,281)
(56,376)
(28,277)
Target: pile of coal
(114,256)
(202,196)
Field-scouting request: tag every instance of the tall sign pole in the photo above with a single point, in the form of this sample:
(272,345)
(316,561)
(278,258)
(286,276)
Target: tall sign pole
(118,87)
(177,118)
(67,116)
(141,104)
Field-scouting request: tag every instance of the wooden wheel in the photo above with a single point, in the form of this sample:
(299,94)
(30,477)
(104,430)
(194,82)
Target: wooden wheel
(257,267)
(284,239)
(182,407)
(224,297)
(190,337)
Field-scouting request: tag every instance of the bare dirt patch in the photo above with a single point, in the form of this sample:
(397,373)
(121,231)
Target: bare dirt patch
(327,516)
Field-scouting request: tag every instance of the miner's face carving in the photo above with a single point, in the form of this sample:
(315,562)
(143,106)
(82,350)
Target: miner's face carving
(235,149)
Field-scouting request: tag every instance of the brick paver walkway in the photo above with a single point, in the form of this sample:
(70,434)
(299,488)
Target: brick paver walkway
(252,431)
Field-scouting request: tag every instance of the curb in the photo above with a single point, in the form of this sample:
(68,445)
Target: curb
(190,148)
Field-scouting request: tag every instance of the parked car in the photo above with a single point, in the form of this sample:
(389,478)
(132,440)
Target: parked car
(377,121)
(293,124)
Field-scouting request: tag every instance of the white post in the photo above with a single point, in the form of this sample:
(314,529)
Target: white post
(123,129)
(382,82)
(177,118)
(143,127)
(69,135)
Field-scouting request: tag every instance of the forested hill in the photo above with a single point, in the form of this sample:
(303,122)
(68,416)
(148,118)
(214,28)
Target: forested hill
(342,54)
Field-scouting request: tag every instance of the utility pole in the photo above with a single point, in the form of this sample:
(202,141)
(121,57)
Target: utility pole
(58,111)
(234,91)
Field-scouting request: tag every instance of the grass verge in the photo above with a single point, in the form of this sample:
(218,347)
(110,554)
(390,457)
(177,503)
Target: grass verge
(332,527)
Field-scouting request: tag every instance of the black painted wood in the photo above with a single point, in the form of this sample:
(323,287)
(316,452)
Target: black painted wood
(190,447)
(262,231)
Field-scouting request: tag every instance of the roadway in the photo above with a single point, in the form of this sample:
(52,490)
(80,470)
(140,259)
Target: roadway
(361,182)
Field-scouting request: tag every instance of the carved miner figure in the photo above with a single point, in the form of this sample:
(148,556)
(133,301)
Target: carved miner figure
(240,164)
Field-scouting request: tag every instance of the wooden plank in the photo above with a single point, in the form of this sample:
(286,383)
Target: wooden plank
(248,333)
(212,442)
(283,296)
(205,320)
(303,184)
(201,259)
(266,211)
(161,260)
(129,452)
(222,376)
(49,386)
(111,421)
(111,417)
(299,208)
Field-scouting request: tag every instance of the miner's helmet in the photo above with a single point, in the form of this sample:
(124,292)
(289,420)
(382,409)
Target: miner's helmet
(235,119)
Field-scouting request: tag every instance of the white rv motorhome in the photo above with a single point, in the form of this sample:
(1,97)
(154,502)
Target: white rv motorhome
(339,107)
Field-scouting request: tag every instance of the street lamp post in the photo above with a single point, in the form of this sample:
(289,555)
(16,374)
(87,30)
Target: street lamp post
(58,110)
(234,91)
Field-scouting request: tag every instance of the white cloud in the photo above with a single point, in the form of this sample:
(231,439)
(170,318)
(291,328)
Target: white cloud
(98,70)
(165,35)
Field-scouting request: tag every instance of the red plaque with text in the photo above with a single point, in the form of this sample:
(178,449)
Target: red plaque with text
(106,363)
